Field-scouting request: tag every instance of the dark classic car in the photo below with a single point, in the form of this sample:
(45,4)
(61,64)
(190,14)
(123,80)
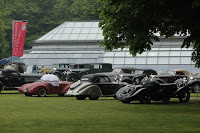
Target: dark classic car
(61,73)
(11,78)
(153,89)
(94,86)
(121,74)
(78,70)
(175,74)
(48,84)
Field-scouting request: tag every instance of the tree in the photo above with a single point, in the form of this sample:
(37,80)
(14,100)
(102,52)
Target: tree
(132,23)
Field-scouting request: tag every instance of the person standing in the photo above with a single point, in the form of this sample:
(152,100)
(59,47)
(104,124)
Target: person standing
(42,70)
(35,68)
(8,66)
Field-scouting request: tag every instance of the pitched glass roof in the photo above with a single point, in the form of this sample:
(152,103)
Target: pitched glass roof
(74,31)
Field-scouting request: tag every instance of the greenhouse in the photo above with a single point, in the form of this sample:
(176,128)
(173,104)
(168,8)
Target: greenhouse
(79,42)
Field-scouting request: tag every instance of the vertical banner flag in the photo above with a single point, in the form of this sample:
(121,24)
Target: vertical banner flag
(18,37)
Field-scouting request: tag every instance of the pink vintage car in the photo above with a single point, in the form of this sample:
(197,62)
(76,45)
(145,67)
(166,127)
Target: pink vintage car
(48,84)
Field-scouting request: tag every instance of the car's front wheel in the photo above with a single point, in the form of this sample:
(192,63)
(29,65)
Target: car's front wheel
(184,96)
(126,101)
(72,78)
(42,92)
(145,97)
(80,97)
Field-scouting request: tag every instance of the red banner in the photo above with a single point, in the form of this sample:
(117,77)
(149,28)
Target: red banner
(19,33)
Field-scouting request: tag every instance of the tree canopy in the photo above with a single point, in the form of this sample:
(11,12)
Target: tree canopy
(133,23)
(42,16)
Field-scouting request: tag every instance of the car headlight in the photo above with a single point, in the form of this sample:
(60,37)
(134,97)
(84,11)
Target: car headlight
(120,77)
(25,89)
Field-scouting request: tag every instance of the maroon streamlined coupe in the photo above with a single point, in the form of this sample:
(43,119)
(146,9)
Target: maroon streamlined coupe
(48,84)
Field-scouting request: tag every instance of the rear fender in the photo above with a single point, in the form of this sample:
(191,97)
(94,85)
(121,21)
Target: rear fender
(66,88)
(35,91)
(180,89)
(86,91)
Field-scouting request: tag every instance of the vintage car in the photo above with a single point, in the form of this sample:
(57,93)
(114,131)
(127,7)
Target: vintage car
(121,74)
(94,86)
(78,70)
(12,79)
(48,84)
(153,89)
(61,73)
(174,74)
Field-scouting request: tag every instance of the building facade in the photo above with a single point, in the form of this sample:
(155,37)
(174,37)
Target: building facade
(79,42)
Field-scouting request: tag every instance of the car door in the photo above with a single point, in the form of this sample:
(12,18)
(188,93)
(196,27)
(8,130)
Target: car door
(107,87)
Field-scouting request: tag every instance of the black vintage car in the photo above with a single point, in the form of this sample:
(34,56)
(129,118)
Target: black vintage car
(94,86)
(11,78)
(78,70)
(153,89)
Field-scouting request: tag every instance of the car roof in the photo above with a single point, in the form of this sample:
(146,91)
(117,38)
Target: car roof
(125,68)
(181,70)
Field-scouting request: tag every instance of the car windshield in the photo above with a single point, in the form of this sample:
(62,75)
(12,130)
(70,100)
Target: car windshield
(138,72)
(171,72)
(120,71)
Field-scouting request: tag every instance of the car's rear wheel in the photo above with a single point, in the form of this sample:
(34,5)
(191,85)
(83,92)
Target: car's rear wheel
(27,94)
(145,97)
(42,92)
(60,95)
(184,96)
(136,81)
(80,97)
(94,94)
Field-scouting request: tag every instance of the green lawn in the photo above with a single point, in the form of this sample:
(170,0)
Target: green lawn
(52,114)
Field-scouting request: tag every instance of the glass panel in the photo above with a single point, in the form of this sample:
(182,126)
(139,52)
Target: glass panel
(163,60)
(67,30)
(82,37)
(60,30)
(70,24)
(175,53)
(56,37)
(64,37)
(163,53)
(152,53)
(87,24)
(174,60)
(76,30)
(49,37)
(118,60)
(100,37)
(143,54)
(78,24)
(152,60)
(185,60)
(128,54)
(95,24)
(73,37)
(140,60)
(85,30)
(108,60)
(108,54)
(119,53)
(129,61)
(100,31)
(91,36)
(94,30)
(186,53)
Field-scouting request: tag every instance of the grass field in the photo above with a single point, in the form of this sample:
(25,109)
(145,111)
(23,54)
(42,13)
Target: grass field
(52,114)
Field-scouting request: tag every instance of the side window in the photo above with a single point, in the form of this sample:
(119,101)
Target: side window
(180,73)
(96,66)
(104,79)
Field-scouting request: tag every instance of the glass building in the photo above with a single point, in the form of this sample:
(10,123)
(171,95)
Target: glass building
(79,42)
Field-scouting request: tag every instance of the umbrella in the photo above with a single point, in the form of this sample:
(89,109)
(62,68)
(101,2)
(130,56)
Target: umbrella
(5,60)
(50,78)
(18,62)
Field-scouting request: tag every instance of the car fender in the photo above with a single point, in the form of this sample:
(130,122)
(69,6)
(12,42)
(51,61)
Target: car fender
(192,82)
(72,73)
(128,80)
(87,90)
(138,92)
(180,89)
(66,88)
(36,89)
